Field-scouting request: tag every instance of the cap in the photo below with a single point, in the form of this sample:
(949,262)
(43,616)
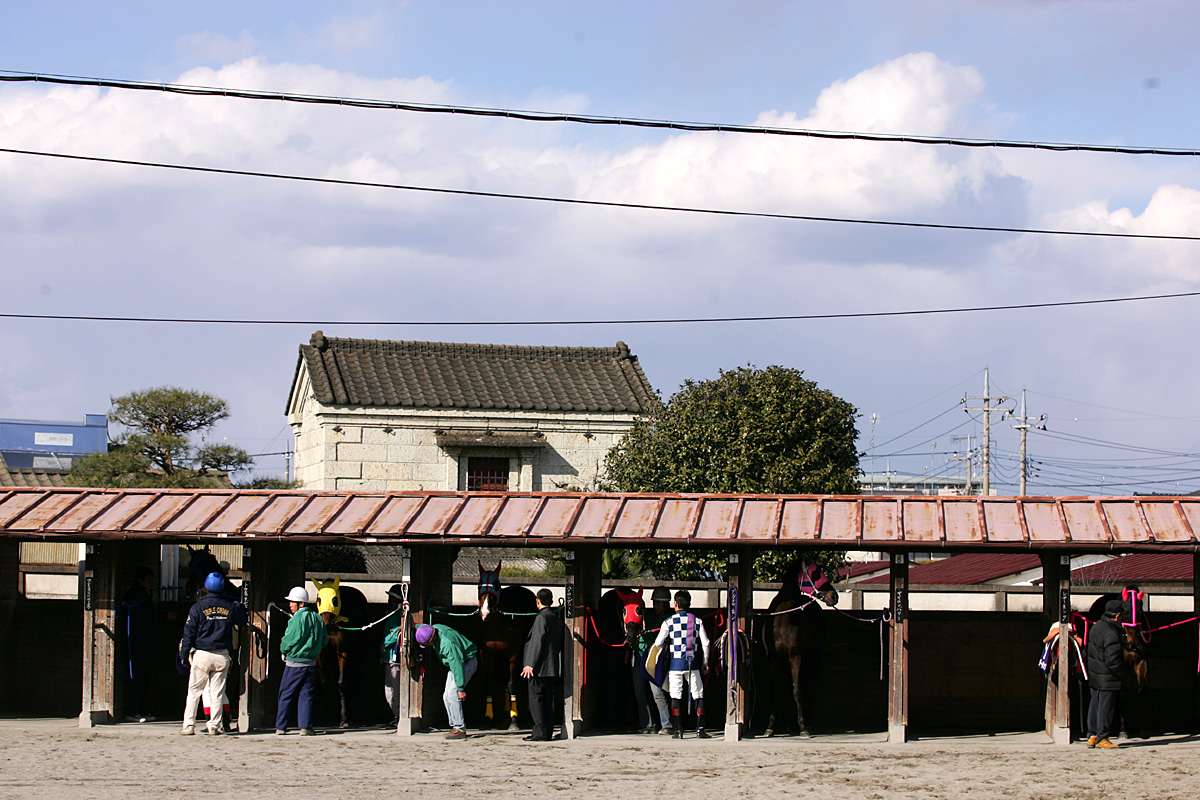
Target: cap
(661,594)
(1114,607)
(424,634)
(298,595)
(215,582)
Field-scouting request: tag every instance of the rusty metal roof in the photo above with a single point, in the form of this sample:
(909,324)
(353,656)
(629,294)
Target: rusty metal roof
(1081,524)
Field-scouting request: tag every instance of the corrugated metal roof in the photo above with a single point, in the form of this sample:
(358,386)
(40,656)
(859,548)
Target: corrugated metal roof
(1137,568)
(863,523)
(968,569)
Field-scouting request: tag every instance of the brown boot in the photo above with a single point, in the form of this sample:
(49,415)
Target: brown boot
(1091,743)
(1107,744)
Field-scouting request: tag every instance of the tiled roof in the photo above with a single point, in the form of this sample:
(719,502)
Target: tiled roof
(1136,568)
(968,569)
(28,476)
(376,373)
(859,569)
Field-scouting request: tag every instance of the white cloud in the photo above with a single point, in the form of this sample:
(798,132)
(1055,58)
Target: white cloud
(214,48)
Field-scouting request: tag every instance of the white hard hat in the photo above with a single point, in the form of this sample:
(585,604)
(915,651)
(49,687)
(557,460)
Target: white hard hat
(298,595)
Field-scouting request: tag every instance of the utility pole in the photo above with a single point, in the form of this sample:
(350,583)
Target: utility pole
(1023,426)
(987,408)
(967,458)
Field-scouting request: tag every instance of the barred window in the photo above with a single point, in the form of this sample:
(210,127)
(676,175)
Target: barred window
(487,474)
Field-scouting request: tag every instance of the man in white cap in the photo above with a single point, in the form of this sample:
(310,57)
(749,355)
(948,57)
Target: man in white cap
(302,644)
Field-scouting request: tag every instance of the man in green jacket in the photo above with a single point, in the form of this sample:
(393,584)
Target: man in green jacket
(302,644)
(458,654)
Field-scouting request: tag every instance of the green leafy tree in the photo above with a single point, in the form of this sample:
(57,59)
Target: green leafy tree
(158,444)
(748,431)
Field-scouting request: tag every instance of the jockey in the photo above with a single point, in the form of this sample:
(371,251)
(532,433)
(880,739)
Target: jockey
(682,631)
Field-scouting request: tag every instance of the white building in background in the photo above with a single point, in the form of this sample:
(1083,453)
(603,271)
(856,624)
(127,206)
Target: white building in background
(377,415)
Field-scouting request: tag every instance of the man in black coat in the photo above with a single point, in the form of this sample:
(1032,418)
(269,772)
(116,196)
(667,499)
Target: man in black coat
(543,654)
(1106,672)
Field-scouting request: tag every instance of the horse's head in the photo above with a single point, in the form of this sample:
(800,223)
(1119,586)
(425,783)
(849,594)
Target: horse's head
(633,612)
(201,564)
(329,600)
(812,582)
(489,589)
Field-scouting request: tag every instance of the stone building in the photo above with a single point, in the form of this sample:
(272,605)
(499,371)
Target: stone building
(402,416)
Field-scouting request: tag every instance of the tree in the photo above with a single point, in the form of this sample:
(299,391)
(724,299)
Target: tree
(748,431)
(157,446)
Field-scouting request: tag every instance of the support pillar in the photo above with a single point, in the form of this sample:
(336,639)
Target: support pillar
(898,671)
(269,570)
(10,591)
(99,635)
(739,603)
(1056,607)
(432,586)
(1196,612)
(582,593)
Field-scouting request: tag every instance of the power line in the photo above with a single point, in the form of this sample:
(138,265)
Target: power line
(585,119)
(659,321)
(595,203)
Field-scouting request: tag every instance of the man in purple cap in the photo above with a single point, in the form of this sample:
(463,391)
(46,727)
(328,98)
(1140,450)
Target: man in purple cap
(458,654)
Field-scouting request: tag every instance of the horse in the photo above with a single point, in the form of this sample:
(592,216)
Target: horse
(504,618)
(619,622)
(793,637)
(336,658)
(1135,644)
(201,564)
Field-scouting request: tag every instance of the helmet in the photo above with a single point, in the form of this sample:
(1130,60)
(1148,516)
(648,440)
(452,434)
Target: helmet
(215,582)
(297,595)
(661,594)
(424,634)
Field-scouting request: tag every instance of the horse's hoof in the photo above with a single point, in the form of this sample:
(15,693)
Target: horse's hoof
(768,733)
(512,726)
(804,735)
(344,724)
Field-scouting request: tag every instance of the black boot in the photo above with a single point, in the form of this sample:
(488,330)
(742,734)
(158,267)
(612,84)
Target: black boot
(700,732)
(676,718)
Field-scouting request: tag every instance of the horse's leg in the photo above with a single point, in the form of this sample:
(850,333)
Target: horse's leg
(341,662)
(512,694)
(778,677)
(796,695)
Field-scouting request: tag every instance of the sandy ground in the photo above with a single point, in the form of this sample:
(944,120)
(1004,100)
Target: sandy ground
(54,758)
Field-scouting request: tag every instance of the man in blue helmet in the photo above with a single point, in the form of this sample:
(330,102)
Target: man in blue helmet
(208,638)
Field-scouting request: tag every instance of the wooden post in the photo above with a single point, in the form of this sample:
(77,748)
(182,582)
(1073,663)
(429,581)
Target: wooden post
(1062,693)
(739,602)
(1050,567)
(99,635)
(1196,612)
(408,719)
(269,570)
(10,590)
(582,594)
(898,673)
(432,588)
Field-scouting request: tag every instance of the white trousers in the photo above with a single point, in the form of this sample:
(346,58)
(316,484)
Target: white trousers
(675,681)
(209,671)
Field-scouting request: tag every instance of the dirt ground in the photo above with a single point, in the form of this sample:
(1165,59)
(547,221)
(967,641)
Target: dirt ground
(56,759)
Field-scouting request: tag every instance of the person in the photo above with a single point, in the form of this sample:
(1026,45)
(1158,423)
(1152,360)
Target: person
(688,642)
(1106,671)
(648,695)
(392,659)
(302,644)
(543,654)
(459,655)
(141,628)
(208,637)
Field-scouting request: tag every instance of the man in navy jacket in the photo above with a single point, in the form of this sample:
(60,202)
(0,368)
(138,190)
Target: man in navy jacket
(208,637)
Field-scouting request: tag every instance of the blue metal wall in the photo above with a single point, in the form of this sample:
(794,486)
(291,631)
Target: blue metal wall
(32,443)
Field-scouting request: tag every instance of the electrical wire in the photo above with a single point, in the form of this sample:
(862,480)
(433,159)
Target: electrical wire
(12,76)
(597,203)
(657,321)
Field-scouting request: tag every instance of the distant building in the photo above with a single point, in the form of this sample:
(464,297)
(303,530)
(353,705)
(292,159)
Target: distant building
(409,416)
(895,483)
(35,444)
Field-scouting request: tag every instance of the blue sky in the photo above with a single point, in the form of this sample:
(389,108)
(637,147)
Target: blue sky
(98,239)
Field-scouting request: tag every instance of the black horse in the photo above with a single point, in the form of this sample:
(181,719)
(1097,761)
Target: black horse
(793,638)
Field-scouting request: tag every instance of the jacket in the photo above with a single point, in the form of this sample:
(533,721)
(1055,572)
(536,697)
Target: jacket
(1105,656)
(685,640)
(210,625)
(544,645)
(305,636)
(141,618)
(455,650)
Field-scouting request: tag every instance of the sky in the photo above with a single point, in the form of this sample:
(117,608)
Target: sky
(1114,381)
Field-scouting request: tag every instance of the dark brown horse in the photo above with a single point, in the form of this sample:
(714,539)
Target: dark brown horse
(338,606)
(793,638)
(505,614)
